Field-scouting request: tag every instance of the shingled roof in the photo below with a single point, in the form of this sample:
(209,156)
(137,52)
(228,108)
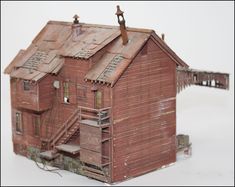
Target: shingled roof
(58,40)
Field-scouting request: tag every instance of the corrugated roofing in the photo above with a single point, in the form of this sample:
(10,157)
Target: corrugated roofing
(63,39)
(117,58)
(58,39)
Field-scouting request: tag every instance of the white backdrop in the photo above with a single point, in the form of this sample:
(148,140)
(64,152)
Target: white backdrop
(201,33)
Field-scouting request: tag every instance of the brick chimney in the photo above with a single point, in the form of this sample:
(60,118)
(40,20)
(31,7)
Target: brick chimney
(121,22)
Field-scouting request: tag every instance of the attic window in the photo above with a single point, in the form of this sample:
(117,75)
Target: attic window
(26,85)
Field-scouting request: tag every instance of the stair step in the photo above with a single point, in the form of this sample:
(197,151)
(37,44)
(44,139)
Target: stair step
(95,176)
(93,170)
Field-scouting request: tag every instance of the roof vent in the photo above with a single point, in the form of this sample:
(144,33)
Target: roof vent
(76,27)
(122,24)
(75,21)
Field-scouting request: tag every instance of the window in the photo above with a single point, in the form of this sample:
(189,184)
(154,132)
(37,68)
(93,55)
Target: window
(36,125)
(98,99)
(26,85)
(66,92)
(19,128)
(81,92)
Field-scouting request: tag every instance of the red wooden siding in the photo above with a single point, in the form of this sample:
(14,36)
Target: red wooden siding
(44,96)
(27,137)
(46,92)
(144,120)
(21,98)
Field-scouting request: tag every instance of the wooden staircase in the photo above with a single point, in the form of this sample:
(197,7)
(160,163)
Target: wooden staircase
(64,133)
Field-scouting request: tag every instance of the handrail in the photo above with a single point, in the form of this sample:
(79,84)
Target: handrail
(94,109)
(89,109)
(61,133)
(63,126)
(100,118)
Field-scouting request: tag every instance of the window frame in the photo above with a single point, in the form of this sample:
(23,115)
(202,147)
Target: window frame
(101,99)
(81,92)
(26,85)
(36,126)
(66,92)
(18,122)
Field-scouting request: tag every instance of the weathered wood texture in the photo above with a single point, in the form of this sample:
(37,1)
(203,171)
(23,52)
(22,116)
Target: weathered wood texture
(39,96)
(46,101)
(21,98)
(187,77)
(90,138)
(144,114)
(46,92)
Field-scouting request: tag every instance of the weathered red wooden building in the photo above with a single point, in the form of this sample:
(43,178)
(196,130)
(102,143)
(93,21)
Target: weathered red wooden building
(99,100)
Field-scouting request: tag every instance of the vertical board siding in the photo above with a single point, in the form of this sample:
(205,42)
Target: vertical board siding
(47,102)
(46,92)
(21,98)
(144,120)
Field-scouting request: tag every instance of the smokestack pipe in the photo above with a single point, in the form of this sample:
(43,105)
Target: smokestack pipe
(76,28)
(122,24)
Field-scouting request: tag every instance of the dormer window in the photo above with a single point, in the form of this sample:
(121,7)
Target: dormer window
(26,85)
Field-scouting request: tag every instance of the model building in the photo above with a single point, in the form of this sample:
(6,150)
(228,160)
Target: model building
(100,100)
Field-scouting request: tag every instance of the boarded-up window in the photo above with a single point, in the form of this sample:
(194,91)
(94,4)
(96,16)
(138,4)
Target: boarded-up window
(36,125)
(98,99)
(19,127)
(81,92)
(26,85)
(66,92)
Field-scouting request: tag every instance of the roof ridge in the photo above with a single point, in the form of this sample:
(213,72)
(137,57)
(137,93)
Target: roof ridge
(132,29)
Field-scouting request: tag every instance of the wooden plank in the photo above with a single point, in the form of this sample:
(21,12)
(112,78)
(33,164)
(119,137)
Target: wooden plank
(90,157)
(90,138)
(144,115)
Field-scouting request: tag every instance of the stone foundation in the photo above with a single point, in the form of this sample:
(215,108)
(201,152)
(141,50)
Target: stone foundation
(62,162)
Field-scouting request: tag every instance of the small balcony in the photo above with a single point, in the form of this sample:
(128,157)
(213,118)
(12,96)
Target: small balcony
(94,117)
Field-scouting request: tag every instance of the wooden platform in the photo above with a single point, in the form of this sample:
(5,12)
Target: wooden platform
(90,122)
(94,123)
(49,155)
(73,149)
